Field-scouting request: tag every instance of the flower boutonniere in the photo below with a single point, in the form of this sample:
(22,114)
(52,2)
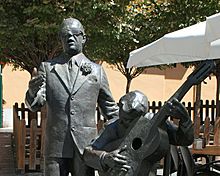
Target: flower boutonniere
(86,68)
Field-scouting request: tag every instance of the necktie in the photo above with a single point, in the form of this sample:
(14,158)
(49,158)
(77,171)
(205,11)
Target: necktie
(72,71)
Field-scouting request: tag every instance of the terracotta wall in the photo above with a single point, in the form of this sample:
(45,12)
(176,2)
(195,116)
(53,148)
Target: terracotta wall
(14,85)
(156,84)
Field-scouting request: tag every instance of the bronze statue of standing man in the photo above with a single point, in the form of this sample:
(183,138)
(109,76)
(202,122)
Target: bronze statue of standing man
(71,86)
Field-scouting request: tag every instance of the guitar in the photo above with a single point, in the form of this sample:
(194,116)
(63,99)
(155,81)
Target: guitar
(146,141)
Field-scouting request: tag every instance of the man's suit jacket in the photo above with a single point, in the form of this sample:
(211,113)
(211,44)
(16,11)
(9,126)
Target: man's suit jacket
(72,104)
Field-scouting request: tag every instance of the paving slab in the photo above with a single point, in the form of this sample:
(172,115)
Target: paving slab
(7,161)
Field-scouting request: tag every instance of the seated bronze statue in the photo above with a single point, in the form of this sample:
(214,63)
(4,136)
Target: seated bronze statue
(107,153)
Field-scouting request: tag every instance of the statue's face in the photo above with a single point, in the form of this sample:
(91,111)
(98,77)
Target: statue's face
(72,37)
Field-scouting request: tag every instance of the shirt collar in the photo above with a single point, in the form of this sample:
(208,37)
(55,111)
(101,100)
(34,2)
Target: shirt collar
(77,58)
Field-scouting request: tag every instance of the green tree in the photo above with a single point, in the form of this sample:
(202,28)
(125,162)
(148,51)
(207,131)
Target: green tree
(28,29)
(28,32)
(130,25)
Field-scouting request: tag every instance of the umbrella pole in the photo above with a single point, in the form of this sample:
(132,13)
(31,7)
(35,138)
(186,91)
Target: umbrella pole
(217,120)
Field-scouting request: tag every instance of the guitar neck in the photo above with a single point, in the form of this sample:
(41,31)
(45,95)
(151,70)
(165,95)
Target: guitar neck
(181,92)
(161,115)
(196,77)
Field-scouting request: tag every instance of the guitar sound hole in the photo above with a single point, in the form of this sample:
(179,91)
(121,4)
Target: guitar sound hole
(136,144)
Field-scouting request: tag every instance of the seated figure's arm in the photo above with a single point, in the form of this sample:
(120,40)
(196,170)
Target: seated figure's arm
(103,161)
(183,133)
(96,156)
(92,158)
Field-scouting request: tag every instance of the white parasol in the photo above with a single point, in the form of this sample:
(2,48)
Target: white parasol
(197,42)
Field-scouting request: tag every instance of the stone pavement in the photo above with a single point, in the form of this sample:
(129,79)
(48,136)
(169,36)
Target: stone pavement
(7,158)
(7,165)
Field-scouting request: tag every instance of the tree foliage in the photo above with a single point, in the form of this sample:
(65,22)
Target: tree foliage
(29,31)
(28,28)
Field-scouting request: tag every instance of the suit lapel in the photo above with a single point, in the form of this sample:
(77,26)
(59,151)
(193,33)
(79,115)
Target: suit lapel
(80,78)
(61,70)
(62,73)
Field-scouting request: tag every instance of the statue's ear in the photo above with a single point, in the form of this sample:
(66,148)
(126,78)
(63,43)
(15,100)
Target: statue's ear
(84,39)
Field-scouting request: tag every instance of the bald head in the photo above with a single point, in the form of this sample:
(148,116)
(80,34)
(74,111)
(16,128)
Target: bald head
(71,23)
(134,100)
(132,106)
